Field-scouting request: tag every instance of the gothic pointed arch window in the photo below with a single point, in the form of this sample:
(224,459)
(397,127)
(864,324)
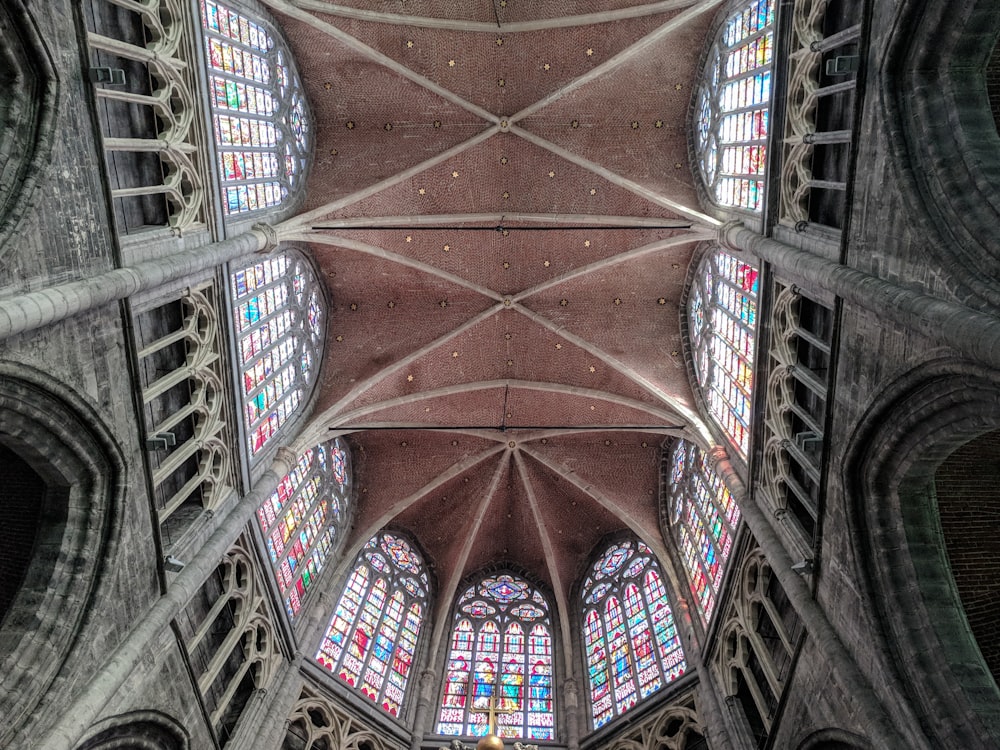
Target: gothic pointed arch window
(278,318)
(259,112)
(733,107)
(722,324)
(630,640)
(301,521)
(500,656)
(372,637)
(704,518)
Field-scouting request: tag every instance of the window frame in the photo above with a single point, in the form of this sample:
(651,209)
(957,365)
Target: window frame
(295,342)
(503,616)
(274,89)
(715,329)
(711,110)
(407,583)
(599,587)
(284,520)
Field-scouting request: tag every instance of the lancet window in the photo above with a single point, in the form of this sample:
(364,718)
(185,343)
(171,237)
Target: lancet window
(302,519)
(704,518)
(500,659)
(258,111)
(278,321)
(372,637)
(733,107)
(722,323)
(630,639)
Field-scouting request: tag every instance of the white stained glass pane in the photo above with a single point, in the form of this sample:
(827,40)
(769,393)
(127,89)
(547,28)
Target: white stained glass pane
(248,87)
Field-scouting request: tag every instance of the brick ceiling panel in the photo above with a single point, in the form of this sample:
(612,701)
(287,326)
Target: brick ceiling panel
(446,518)
(543,408)
(384,478)
(484,354)
(502,72)
(573,522)
(379,315)
(509,532)
(504,175)
(480,11)
(634,120)
(371,123)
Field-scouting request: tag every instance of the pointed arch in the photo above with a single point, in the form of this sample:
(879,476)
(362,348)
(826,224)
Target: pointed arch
(301,521)
(501,654)
(372,636)
(279,320)
(631,646)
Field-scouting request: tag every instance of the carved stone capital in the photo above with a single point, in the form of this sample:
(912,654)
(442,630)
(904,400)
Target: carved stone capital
(270,237)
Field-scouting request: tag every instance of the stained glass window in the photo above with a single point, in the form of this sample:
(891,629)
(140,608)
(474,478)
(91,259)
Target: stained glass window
(278,321)
(258,111)
(301,520)
(722,320)
(372,637)
(733,107)
(501,654)
(704,519)
(630,640)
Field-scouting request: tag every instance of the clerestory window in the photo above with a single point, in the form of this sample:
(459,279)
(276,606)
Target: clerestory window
(630,639)
(722,324)
(372,637)
(278,319)
(500,660)
(302,519)
(704,518)
(734,107)
(259,116)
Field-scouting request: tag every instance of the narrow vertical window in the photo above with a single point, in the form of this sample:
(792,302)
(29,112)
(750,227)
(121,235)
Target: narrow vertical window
(500,657)
(704,519)
(733,107)
(722,323)
(630,640)
(372,636)
(278,319)
(301,520)
(258,111)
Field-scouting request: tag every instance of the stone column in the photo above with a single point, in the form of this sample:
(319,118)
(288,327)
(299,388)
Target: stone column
(74,719)
(869,708)
(268,730)
(26,312)
(571,701)
(424,714)
(975,334)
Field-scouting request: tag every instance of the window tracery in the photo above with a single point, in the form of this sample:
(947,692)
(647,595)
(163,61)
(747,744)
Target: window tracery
(302,518)
(501,653)
(722,324)
(733,107)
(258,109)
(372,636)
(278,321)
(704,518)
(630,640)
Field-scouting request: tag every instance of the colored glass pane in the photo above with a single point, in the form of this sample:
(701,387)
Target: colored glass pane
(731,126)
(372,636)
(630,642)
(301,519)
(255,109)
(501,655)
(705,519)
(723,327)
(278,334)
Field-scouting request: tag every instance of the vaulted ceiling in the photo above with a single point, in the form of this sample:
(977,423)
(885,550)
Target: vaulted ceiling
(503,205)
